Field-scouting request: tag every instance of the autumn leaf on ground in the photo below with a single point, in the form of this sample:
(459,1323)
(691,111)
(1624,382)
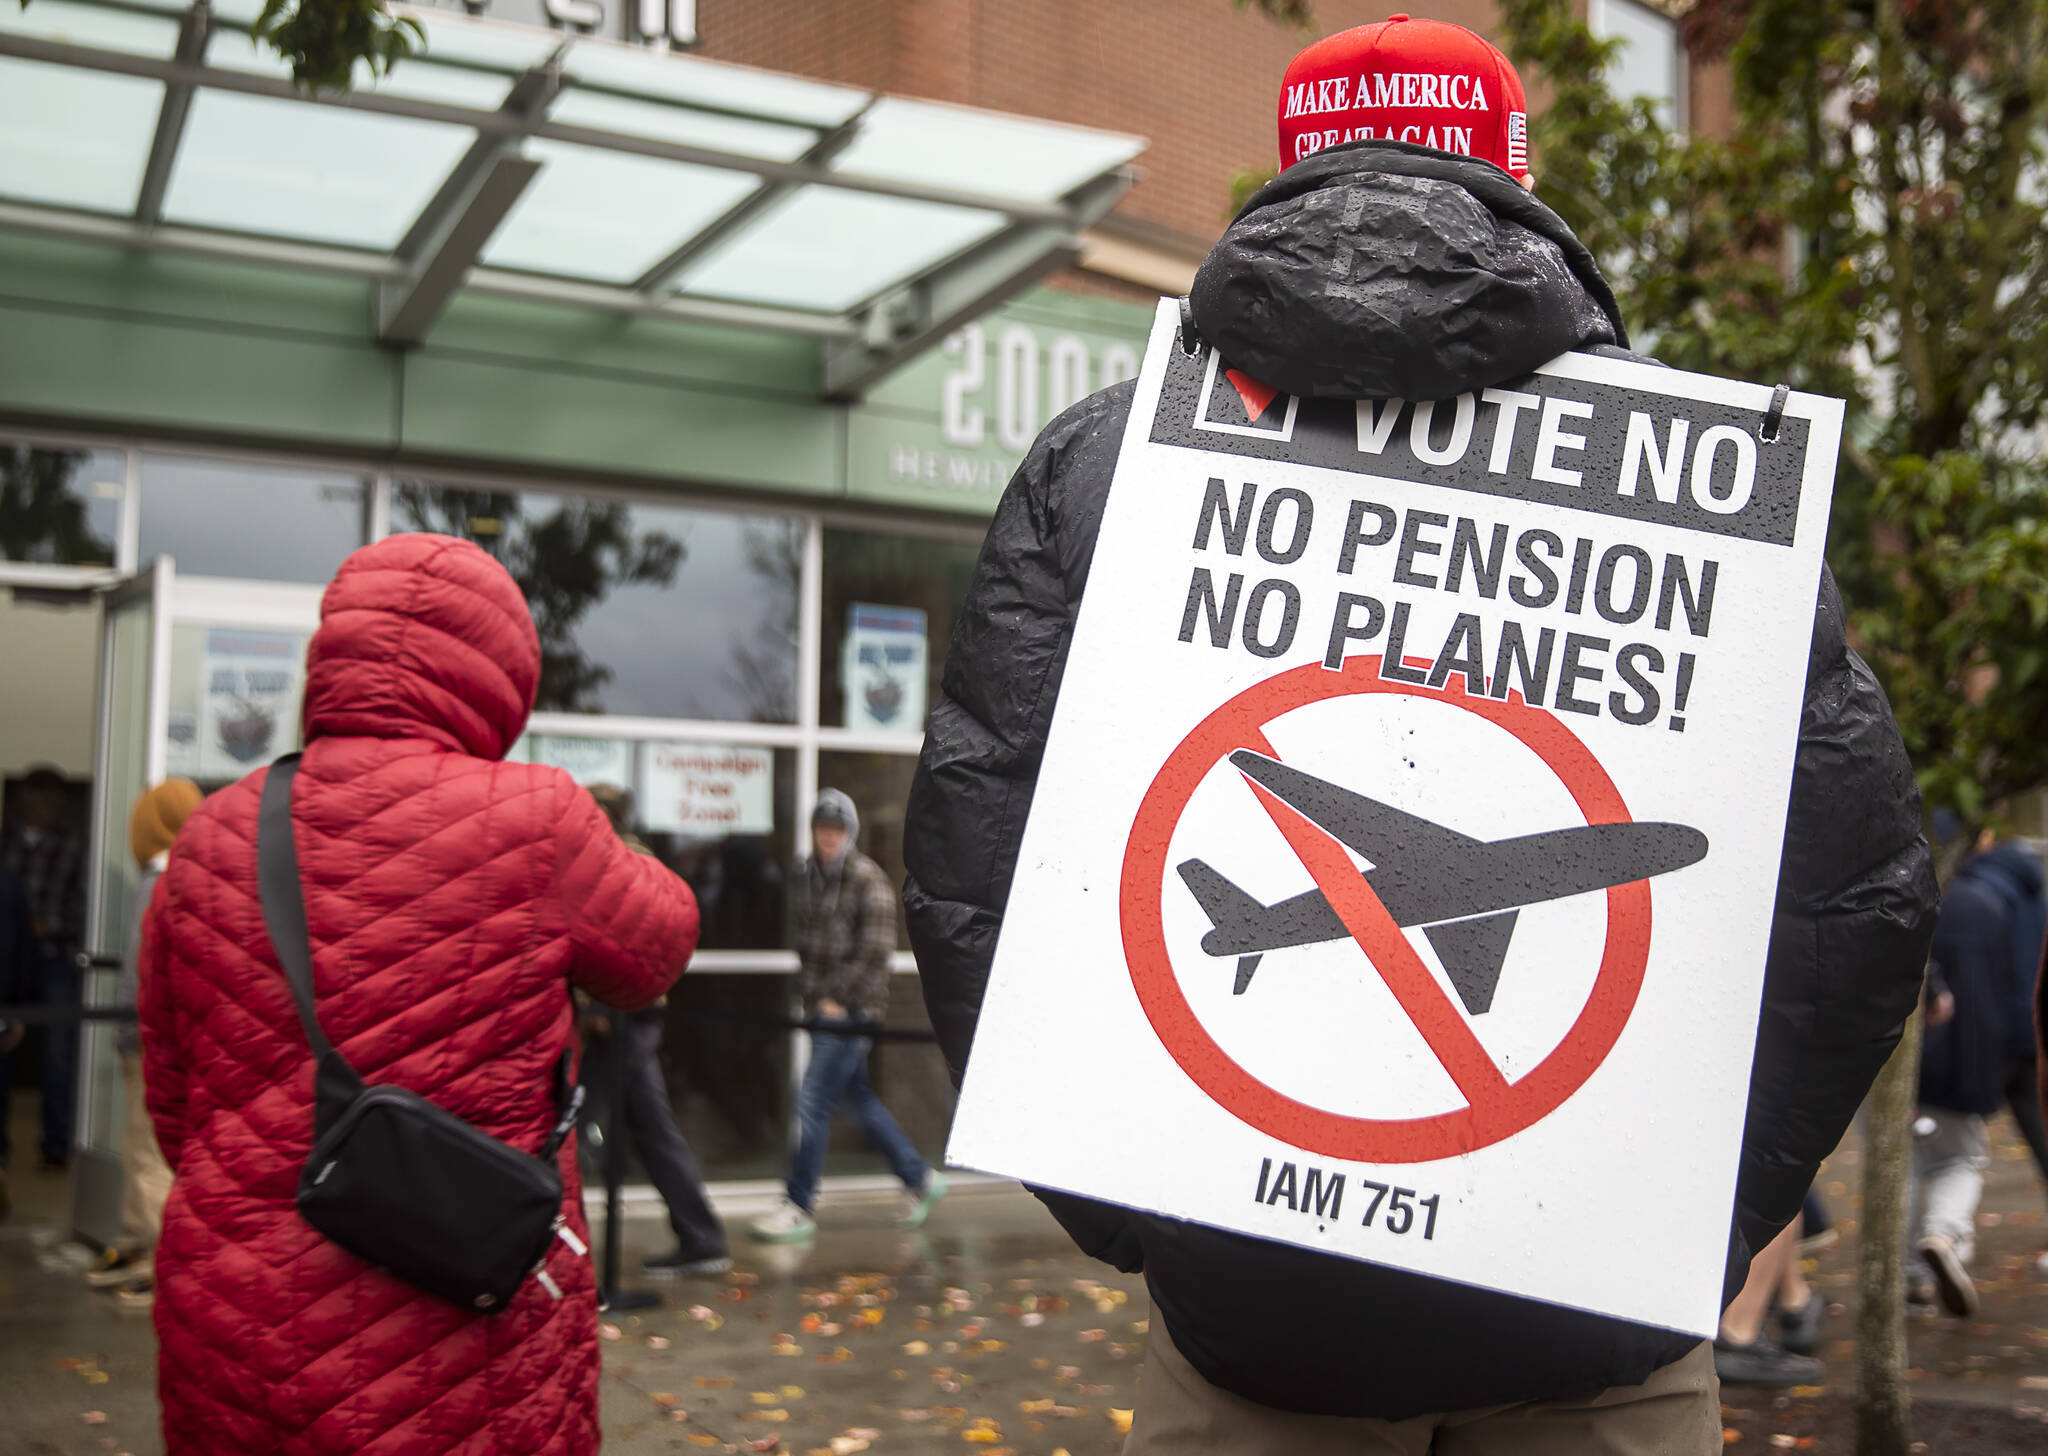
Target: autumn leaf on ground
(1121,1419)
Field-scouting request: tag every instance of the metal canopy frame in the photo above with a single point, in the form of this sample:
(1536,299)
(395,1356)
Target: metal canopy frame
(439,254)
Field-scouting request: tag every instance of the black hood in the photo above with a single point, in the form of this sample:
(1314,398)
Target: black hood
(1377,270)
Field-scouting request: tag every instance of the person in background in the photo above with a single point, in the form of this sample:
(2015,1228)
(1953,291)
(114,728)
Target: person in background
(648,1117)
(452,902)
(2010,872)
(1962,1082)
(1744,1352)
(845,931)
(130,1268)
(50,861)
(2014,877)
(17,948)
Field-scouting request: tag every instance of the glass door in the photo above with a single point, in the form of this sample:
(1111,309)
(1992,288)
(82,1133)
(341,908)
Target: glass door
(135,649)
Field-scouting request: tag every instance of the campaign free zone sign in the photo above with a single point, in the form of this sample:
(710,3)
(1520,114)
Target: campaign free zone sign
(1399,876)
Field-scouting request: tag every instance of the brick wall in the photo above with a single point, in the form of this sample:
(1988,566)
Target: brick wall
(1199,78)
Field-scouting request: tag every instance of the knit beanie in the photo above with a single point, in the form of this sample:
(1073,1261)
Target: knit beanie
(157,816)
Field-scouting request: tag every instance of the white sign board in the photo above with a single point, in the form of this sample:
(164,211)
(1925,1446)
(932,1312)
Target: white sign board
(249,685)
(706,789)
(882,668)
(1409,825)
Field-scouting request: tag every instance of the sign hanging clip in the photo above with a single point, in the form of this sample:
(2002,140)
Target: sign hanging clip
(1774,417)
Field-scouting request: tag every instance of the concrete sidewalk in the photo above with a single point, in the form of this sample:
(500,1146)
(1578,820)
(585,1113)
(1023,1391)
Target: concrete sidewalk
(983,1334)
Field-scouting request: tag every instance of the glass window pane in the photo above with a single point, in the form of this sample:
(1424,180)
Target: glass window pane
(91,25)
(481,42)
(880,664)
(980,151)
(826,249)
(261,165)
(74,138)
(423,80)
(59,506)
(646,610)
(609,216)
(221,518)
(234,700)
(711,83)
(680,124)
(727,1068)
(1649,58)
(720,815)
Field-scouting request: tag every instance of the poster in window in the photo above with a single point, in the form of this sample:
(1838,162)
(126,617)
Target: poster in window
(706,789)
(586,760)
(882,668)
(249,699)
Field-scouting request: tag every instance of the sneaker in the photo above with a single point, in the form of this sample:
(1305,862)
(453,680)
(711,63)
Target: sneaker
(686,1266)
(1812,1244)
(1951,1279)
(917,1202)
(786,1223)
(1762,1363)
(1799,1329)
(141,1296)
(118,1271)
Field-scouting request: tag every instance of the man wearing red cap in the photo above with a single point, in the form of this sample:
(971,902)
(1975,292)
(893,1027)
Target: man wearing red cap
(1400,254)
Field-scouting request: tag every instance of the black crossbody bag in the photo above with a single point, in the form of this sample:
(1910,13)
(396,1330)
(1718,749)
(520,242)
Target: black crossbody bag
(397,1181)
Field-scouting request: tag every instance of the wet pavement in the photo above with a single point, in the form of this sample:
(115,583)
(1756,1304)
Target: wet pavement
(983,1334)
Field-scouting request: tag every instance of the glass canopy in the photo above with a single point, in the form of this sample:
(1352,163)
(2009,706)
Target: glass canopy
(522,161)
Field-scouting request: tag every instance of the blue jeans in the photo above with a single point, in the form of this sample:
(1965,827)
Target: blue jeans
(838,1074)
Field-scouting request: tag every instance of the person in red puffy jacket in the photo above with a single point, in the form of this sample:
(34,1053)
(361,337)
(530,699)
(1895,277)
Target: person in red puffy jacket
(452,900)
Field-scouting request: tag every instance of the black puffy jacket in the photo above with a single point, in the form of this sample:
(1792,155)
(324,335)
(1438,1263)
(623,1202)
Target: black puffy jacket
(1377,270)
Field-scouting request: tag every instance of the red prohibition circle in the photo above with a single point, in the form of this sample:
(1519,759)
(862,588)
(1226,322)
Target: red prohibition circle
(1240,723)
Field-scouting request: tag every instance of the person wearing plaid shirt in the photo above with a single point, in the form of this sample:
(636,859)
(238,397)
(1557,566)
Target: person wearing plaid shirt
(844,933)
(49,860)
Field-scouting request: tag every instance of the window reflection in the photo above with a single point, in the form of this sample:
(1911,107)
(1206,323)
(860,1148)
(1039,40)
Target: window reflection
(221,518)
(889,608)
(727,1063)
(644,610)
(61,507)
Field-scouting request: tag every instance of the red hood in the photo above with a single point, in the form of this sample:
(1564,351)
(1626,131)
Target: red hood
(423,636)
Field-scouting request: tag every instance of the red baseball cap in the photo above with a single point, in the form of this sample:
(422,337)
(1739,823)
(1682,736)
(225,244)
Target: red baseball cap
(1407,80)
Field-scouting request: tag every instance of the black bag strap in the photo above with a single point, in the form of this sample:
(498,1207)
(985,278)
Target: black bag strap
(335,1083)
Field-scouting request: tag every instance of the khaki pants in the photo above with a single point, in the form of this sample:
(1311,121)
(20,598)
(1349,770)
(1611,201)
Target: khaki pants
(1676,1412)
(148,1177)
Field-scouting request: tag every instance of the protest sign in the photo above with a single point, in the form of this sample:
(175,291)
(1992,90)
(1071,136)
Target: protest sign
(1409,824)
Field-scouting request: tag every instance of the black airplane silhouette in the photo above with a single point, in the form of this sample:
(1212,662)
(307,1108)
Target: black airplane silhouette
(1464,893)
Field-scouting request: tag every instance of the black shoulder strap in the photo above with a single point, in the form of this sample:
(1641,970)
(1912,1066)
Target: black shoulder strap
(284,916)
